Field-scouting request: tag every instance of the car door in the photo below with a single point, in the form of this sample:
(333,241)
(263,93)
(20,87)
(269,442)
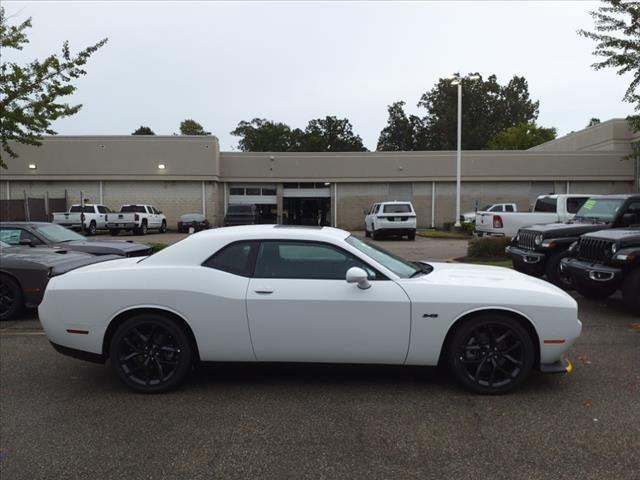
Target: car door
(101,216)
(300,307)
(153,217)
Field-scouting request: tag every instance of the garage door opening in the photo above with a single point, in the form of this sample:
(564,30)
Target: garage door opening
(307,211)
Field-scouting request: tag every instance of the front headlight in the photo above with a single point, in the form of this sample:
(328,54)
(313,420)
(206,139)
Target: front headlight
(614,249)
(538,239)
(573,247)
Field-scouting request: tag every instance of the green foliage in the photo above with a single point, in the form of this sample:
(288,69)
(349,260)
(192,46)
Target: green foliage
(30,94)
(617,33)
(593,122)
(487,247)
(191,127)
(487,109)
(521,137)
(157,246)
(402,133)
(329,134)
(142,130)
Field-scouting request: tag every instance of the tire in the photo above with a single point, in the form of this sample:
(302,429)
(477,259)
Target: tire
(553,273)
(11,300)
(375,235)
(142,230)
(93,229)
(412,236)
(631,291)
(594,292)
(491,353)
(114,231)
(151,353)
(163,227)
(366,232)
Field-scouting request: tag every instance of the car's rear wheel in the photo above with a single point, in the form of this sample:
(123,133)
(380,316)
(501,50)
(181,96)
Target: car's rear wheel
(142,230)
(151,353)
(631,291)
(412,236)
(555,274)
(374,234)
(163,227)
(93,228)
(594,292)
(491,353)
(11,301)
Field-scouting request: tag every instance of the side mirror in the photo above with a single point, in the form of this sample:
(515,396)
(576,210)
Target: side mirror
(359,276)
(26,242)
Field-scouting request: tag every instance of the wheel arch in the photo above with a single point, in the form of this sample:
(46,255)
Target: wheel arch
(130,312)
(518,316)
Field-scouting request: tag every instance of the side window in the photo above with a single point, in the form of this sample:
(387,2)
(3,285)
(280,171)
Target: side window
(574,204)
(13,236)
(235,258)
(508,208)
(631,215)
(306,260)
(102,209)
(376,208)
(496,208)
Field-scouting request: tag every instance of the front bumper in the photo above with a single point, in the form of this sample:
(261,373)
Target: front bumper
(591,273)
(563,365)
(527,257)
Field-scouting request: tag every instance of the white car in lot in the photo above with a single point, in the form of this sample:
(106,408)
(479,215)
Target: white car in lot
(137,218)
(265,293)
(390,218)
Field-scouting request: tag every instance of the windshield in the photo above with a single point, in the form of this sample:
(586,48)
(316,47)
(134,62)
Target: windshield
(401,267)
(56,234)
(4,245)
(397,208)
(602,209)
(192,217)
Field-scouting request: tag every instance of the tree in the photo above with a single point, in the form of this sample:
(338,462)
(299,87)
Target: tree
(142,130)
(593,122)
(521,137)
(402,133)
(261,135)
(488,108)
(617,33)
(191,127)
(329,134)
(30,94)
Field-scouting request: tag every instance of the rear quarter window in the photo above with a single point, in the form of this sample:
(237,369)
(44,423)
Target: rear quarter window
(235,258)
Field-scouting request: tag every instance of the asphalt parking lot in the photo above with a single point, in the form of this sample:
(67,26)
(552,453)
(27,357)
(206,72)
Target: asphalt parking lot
(62,418)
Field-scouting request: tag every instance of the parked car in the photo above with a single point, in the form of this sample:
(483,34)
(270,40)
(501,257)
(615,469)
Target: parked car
(297,294)
(90,217)
(539,249)
(43,234)
(604,261)
(137,218)
(25,271)
(470,217)
(547,209)
(390,218)
(197,221)
(239,214)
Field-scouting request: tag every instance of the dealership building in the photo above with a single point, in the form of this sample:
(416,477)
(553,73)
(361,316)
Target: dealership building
(189,174)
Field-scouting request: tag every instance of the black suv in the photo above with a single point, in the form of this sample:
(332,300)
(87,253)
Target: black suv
(601,262)
(539,249)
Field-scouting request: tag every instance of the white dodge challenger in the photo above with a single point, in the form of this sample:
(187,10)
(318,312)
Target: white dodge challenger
(270,293)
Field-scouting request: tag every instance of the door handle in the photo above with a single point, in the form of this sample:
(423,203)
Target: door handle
(264,290)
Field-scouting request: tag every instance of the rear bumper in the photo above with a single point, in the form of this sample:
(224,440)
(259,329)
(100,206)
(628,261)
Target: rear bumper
(79,354)
(396,230)
(112,225)
(591,273)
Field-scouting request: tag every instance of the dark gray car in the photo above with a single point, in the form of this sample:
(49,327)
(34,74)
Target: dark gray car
(43,234)
(25,272)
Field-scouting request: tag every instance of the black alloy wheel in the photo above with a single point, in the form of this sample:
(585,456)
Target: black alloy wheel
(491,354)
(151,353)
(11,303)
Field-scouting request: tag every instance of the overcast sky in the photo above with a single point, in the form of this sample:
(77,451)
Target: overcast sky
(223,62)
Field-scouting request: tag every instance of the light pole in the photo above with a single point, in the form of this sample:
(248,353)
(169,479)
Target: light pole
(456,79)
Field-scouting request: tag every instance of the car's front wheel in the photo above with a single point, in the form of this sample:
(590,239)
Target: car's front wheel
(491,353)
(555,274)
(151,353)
(163,227)
(11,302)
(630,291)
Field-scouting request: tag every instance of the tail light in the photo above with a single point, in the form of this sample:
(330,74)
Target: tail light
(136,217)
(497,221)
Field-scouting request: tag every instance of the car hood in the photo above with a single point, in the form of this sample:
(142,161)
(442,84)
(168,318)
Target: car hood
(104,247)
(44,256)
(480,279)
(552,230)
(624,236)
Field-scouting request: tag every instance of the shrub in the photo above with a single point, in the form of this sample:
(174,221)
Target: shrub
(468,227)
(487,247)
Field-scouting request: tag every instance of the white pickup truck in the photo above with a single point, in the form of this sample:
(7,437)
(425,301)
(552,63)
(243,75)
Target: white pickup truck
(90,217)
(547,209)
(137,218)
